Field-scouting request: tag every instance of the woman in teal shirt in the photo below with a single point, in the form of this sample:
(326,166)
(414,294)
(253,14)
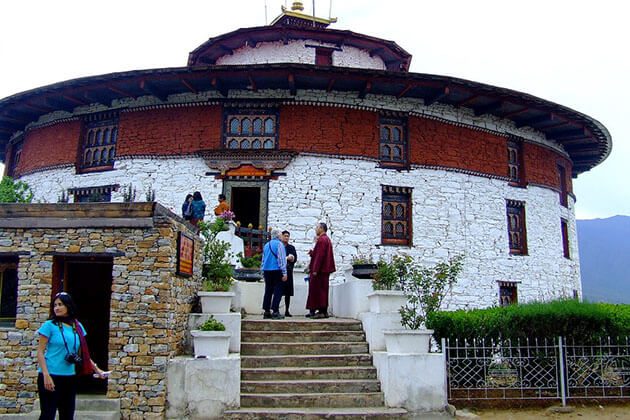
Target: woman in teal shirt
(59,344)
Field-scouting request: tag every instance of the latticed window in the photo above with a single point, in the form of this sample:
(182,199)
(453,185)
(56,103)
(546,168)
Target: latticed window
(516,227)
(98,194)
(564,226)
(396,216)
(393,143)
(508,293)
(515,168)
(251,130)
(99,140)
(16,153)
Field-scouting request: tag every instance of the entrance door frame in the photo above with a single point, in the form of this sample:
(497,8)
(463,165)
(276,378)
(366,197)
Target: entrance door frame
(263,208)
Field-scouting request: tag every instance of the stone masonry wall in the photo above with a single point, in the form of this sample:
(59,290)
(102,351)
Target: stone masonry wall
(148,313)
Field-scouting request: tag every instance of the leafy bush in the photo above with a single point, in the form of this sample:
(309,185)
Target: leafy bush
(212,325)
(580,322)
(217,269)
(390,275)
(14,191)
(249,262)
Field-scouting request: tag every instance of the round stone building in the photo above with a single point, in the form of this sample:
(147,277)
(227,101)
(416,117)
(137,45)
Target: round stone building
(296,123)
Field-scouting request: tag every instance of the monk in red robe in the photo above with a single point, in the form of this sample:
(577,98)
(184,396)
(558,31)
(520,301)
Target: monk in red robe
(322,264)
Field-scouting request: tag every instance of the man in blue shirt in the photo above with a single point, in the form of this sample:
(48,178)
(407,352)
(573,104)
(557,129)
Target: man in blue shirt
(274,268)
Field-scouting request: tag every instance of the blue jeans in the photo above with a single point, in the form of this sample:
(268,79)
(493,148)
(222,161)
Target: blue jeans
(274,288)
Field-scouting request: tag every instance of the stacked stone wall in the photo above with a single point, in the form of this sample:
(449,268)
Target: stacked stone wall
(148,313)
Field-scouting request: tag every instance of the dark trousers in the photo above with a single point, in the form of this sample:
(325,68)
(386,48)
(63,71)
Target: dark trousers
(62,398)
(273,289)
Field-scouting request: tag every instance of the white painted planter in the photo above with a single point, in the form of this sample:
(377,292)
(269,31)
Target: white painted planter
(211,344)
(386,301)
(215,302)
(407,341)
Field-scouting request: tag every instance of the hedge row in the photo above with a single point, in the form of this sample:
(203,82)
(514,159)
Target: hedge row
(582,322)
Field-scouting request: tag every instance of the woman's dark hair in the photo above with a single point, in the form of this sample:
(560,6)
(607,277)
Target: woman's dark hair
(188,196)
(197,196)
(66,299)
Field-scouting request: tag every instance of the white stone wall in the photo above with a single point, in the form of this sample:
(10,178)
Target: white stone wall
(297,52)
(453,213)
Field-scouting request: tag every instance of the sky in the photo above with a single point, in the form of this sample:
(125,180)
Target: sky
(571,52)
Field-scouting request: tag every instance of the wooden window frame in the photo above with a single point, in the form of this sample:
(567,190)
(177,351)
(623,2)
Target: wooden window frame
(564,193)
(324,56)
(389,125)
(99,135)
(16,154)
(516,173)
(400,196)
(515,212)
(564,228)
(243,115)
(82,195)
(508,293)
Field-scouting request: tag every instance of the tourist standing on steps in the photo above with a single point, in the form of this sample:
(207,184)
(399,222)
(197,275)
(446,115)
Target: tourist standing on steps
(274,268)
(322,264)
(187,207)
(222,207)
(198,208)
(58,349)
(291,260)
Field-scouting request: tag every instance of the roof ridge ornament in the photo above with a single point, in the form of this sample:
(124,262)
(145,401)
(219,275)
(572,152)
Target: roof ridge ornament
(297,18)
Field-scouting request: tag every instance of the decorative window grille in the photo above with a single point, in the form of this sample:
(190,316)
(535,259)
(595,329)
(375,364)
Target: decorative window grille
(396,216)
(8,290)
(393,143)
(98,194)
(323,57)
(508,293)
(516,227)
(99,141)
(251,130)
(515,167)
(562,174)
(564,226)
(16,153)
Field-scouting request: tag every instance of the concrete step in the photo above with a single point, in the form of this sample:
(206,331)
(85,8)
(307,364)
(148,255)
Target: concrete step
(268,349)
(316,413)
(347,386)
(95,403)
(248,362)
(366,399)
(302,336)
(308,373)
(301,324)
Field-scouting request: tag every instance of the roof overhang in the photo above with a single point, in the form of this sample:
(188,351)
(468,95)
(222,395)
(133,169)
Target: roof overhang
(585,139)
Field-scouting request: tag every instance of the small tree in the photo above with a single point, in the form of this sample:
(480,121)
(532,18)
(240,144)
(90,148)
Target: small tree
(425,289)
(14,191)
(217,270)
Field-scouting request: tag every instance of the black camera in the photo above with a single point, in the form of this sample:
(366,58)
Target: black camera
(73,358)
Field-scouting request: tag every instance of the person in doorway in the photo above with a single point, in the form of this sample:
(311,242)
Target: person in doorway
(58,352)
(291,260)
(321,265)
(187,207)
(274,268)
(198,208)
(222,207)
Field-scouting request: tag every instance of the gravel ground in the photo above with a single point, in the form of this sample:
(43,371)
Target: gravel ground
(599,412)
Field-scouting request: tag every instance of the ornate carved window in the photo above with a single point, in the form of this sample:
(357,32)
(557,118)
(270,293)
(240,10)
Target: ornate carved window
(8,290)
(98,194)
(16,153)
(100,136)
(515,166)
(396,216)
(562,174)
(508,293)
(393,143)
(564,226)
(516,227)
(256,129)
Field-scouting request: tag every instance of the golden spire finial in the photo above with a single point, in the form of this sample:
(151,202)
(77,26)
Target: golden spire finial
(297,6)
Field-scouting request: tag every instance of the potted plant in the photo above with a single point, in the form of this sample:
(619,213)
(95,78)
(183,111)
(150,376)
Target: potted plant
(386,282)
(217,270)
(363,267)
(211,339)
(226,218)
(250,267)
(425,289)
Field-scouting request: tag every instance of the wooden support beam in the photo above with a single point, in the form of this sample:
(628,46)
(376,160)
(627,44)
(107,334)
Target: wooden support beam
(292,88)
(74,100)
(216,84)
(536,120)
(57,104)
(120,91)
(468,100)
(188,85)
(43,109)
(149,88)
(20,115)
(485,109)
(406,89)
(207,60)
(515,113)
(438,96)
(14,120)
(367,87)
(92,97)
(330,85)
(568,134)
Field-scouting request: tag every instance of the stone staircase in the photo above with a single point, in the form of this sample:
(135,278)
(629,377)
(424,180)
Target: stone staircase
(308,369)
(88,407)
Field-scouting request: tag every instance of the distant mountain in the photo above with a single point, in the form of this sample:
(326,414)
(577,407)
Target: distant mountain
(605,259)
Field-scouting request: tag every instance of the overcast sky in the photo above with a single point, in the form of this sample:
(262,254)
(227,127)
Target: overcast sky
(574,53)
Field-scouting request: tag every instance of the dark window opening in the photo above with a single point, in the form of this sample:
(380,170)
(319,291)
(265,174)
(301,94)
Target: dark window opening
(516,227)
(396,216)
(515,165)
(323,57)
(16,154)
(564,226)
(8,290)
(562,173)
(508,293)
(100,194)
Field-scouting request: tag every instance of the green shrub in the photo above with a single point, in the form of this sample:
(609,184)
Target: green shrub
(574,320)
(217,269)
(14,191)
(250,262)
(212,325)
